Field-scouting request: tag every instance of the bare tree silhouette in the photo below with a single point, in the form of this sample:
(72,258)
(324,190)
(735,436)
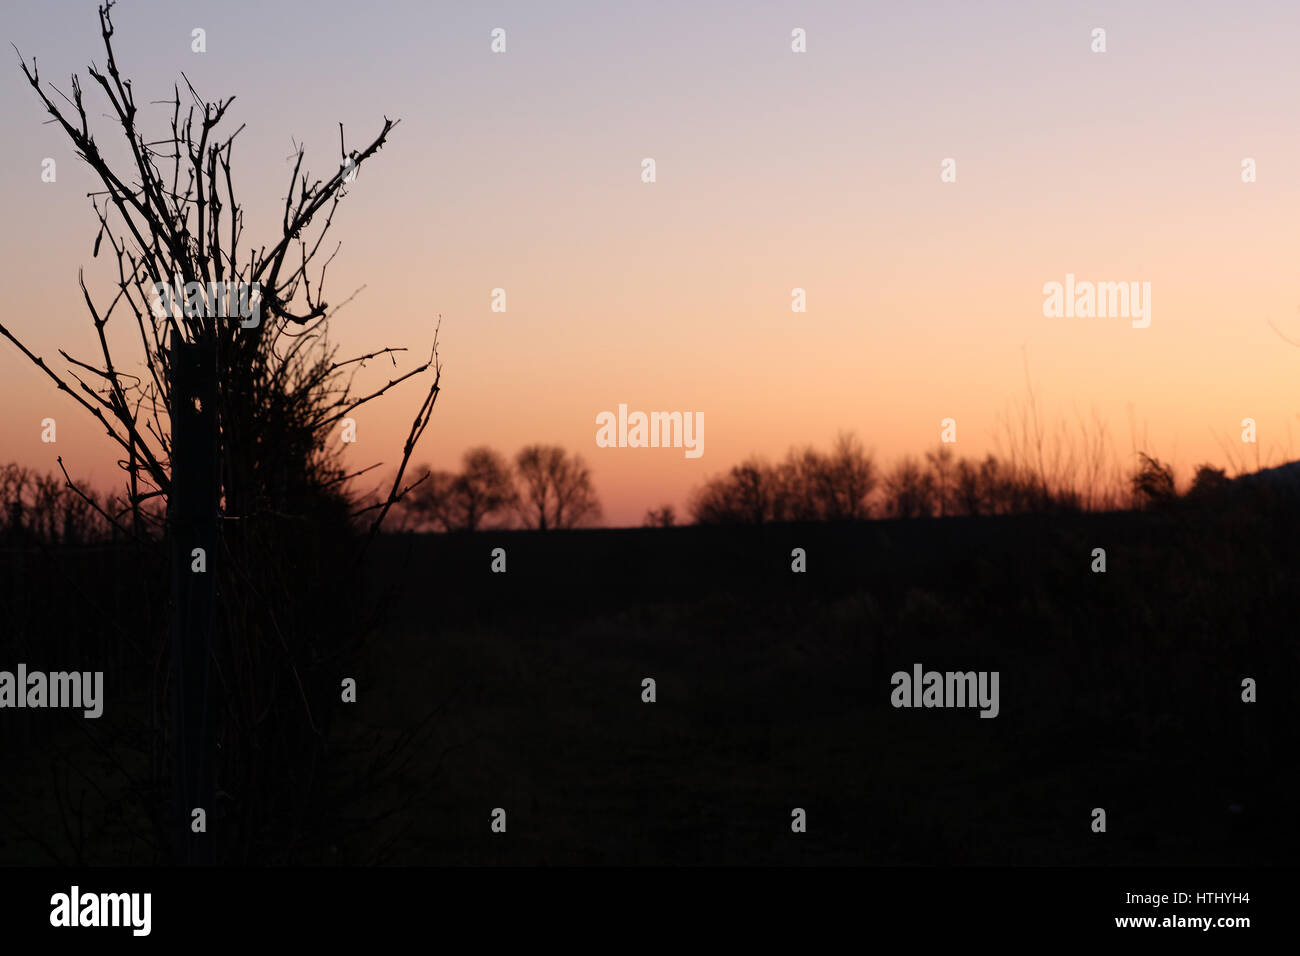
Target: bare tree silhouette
(665,516)
(812,486)
(483,490)
(753,492)
(556,489)
(941,469)
(909,490)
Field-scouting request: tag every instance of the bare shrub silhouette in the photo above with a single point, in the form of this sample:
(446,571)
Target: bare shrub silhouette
(230,424)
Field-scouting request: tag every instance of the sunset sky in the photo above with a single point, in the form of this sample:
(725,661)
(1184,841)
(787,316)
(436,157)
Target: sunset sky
(775,170)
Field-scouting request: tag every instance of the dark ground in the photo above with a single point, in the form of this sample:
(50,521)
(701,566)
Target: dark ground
(1119,690)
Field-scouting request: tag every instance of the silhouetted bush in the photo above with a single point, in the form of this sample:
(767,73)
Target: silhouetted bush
(1153,483)
(1209,483)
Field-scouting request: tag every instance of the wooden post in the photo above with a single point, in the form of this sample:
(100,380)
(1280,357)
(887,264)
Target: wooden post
(192,523)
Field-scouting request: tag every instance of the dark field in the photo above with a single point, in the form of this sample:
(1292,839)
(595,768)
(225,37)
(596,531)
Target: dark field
(523,690)
(1119,690)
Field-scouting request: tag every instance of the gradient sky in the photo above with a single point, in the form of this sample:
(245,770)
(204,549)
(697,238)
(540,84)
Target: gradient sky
(775,170)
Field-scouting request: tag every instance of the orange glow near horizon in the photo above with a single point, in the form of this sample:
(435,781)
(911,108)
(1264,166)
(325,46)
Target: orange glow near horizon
(774,171)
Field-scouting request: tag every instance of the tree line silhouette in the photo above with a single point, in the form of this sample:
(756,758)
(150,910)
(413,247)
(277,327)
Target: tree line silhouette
(846,484)
(42,508)
(543,488)
(546,488)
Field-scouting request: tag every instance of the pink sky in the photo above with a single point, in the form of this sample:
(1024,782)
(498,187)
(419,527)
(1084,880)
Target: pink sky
(775,170)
